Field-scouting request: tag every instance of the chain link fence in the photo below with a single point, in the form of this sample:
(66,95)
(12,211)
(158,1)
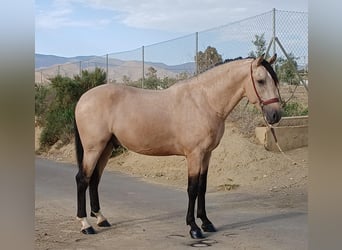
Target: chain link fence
(285,33)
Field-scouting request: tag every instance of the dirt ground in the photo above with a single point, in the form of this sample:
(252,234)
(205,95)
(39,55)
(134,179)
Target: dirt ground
(237,165)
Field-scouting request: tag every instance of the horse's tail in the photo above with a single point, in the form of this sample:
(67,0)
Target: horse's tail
(79,147)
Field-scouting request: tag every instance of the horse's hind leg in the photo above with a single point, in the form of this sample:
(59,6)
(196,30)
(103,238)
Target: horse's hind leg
(83,177)
(93,186)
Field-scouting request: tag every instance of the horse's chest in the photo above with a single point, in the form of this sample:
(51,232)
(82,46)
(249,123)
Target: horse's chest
(215,136)
(208,135)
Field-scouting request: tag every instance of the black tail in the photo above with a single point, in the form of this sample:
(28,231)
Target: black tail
(79,147)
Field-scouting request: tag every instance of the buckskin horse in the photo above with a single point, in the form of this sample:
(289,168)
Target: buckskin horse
(186,119)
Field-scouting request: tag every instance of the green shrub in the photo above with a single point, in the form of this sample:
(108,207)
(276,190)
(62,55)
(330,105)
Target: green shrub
(294,109)
(57,113)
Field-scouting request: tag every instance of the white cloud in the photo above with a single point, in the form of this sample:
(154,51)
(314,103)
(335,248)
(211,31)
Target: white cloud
(175,16)
(188,15)
(62,15)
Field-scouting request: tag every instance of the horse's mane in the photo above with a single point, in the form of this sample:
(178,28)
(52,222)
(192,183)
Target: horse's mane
(264,63)
(270,70)
(232,60)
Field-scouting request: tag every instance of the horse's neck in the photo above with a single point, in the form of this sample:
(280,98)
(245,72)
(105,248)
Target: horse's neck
(223,86)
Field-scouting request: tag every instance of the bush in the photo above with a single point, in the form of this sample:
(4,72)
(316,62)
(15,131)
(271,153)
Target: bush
(58,127)
(55,105)
(294,109)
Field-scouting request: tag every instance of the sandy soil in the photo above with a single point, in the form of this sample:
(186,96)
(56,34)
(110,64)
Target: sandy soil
(238,165)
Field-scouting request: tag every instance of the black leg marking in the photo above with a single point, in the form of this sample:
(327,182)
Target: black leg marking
(207,225)
(82,185)
(93,191)
(195,231)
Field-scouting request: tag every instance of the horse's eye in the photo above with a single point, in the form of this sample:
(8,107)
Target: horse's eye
(261,81)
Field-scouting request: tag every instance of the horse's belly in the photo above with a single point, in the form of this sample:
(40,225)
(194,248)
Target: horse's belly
(157,149)
(149,141)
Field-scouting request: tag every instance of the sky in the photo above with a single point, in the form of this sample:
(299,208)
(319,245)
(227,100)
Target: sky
(97,27)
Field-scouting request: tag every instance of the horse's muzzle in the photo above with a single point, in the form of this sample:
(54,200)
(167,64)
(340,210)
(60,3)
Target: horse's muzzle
(272,114)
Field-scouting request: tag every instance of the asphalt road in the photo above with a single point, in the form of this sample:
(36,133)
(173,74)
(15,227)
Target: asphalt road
(151,216)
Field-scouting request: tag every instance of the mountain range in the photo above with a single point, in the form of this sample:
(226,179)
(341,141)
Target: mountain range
(47,66)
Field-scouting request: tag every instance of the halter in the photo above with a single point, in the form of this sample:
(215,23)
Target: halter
(261,101)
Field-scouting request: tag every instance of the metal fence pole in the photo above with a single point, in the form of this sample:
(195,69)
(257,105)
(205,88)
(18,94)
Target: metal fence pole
(107,68)
(80,68)
(143,66)
(196,55)
(291,63)
(274,31)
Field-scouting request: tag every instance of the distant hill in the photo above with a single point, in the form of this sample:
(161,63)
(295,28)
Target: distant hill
(45,61)
(47,66)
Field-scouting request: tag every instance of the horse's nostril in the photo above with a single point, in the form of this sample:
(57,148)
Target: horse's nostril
(276,117)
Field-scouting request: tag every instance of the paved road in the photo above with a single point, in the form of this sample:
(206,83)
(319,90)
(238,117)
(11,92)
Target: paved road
(150,216)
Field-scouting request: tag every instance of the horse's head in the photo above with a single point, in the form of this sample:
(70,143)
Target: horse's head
(262,89)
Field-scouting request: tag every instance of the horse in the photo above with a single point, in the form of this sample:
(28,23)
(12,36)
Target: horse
(186,119)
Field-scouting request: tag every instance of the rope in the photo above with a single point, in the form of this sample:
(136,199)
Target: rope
(277,144)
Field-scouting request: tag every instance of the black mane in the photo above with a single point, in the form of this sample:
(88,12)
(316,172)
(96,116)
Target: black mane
(264,63)
(270,70)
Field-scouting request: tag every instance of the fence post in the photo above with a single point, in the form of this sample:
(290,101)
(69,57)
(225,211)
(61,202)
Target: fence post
(80,68)
(196,62)
(274,31)
(143,67)
(107,68)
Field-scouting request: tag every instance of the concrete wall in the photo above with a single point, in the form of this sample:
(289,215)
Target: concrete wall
(291,133)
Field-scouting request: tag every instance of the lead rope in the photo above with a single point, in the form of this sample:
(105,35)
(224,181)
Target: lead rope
(277,144)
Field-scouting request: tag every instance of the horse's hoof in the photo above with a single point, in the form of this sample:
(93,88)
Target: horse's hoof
(208,228)
(196,234)
(88,230)
(104,223)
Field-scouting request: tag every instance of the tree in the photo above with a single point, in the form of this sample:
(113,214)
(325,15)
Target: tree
(286,69)
(260,46)
(151,73)
(151,81)
(126,79)
(207,59)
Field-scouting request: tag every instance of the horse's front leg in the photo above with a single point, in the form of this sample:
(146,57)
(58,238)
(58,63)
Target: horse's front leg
(195,231)
(207,225)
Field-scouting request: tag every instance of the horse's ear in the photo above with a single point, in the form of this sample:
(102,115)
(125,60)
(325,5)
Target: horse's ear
(260,59)
(272,59)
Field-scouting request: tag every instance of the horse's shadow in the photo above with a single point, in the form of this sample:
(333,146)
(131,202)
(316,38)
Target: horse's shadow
(165,217)
(260,220)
